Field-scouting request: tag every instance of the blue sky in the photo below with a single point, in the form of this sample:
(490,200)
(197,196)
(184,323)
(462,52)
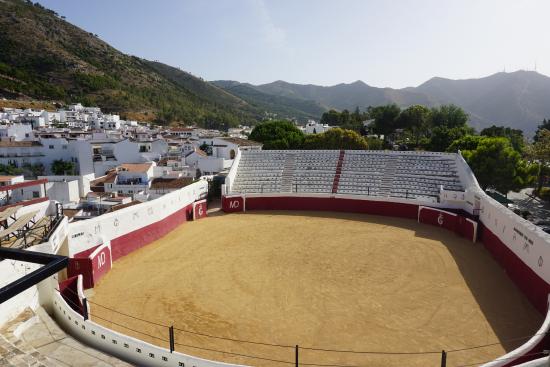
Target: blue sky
(395,43)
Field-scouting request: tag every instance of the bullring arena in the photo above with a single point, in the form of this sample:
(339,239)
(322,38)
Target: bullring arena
(317,258)
(340,281)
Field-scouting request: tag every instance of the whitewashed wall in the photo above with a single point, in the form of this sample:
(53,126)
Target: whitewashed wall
(83,235)
(125,347)
(233,171)
(528,241)
(10,271)
(37,295)
(524,349)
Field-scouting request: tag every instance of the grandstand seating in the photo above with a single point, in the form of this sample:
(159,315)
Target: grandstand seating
(413,175)
(260,171)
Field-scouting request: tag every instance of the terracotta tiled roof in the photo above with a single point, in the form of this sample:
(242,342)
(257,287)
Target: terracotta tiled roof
(6,178)
(10,144)
(114,208)
(242,142)
(170,183)
(181,129)
(101,181)
(135,167)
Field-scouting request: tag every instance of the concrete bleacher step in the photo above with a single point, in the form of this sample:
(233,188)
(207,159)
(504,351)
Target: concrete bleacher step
(386,182)
(288,172)
(338,171)
(34,339)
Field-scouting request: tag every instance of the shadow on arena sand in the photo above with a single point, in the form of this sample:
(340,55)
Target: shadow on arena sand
(473,274)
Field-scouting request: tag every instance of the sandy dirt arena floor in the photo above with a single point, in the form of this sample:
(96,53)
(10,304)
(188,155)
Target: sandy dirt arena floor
(320,280)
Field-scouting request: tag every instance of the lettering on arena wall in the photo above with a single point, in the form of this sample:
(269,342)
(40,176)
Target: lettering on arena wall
(440,219)
(201,211)
(520,233)
(101,260)
(234,204)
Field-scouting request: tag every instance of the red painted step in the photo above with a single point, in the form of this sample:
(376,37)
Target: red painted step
(338,172)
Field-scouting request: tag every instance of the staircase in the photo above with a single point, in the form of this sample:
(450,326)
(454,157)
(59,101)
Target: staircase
(338,172)
(288,172)
(389,173)
(34,339)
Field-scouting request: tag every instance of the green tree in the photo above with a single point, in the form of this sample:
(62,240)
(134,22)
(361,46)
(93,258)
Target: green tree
(545,125)
(61,167)
(385,118)
(345,118)
(442,137)
(335,138)
(467,142)
(331,118)
(206,148)
(449,116)
(416,119)
(278,135)
(374,143)
(515,136)
(497,165)
(356,116)
(10,170)
(539,152)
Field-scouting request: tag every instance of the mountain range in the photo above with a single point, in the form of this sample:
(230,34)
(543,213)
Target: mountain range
(519,99)
(44,57)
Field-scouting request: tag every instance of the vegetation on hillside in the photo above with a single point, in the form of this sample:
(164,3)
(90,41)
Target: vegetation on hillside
(44,57)
(274,105)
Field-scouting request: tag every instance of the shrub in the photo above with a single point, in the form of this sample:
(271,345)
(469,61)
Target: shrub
(544,193)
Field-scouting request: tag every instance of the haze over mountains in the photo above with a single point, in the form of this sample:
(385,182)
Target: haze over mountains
(519,99)
(44,57)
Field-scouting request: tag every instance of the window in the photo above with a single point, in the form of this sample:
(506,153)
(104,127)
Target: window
(51,147)
(35,194)
(64,147)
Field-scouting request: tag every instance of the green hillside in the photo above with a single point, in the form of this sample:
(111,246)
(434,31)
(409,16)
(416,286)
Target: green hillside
(44,57)
(282,106)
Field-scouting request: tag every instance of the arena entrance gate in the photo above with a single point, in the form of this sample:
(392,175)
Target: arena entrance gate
(454,222)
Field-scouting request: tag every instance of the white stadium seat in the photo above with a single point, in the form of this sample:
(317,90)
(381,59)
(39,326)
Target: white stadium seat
(413,175)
